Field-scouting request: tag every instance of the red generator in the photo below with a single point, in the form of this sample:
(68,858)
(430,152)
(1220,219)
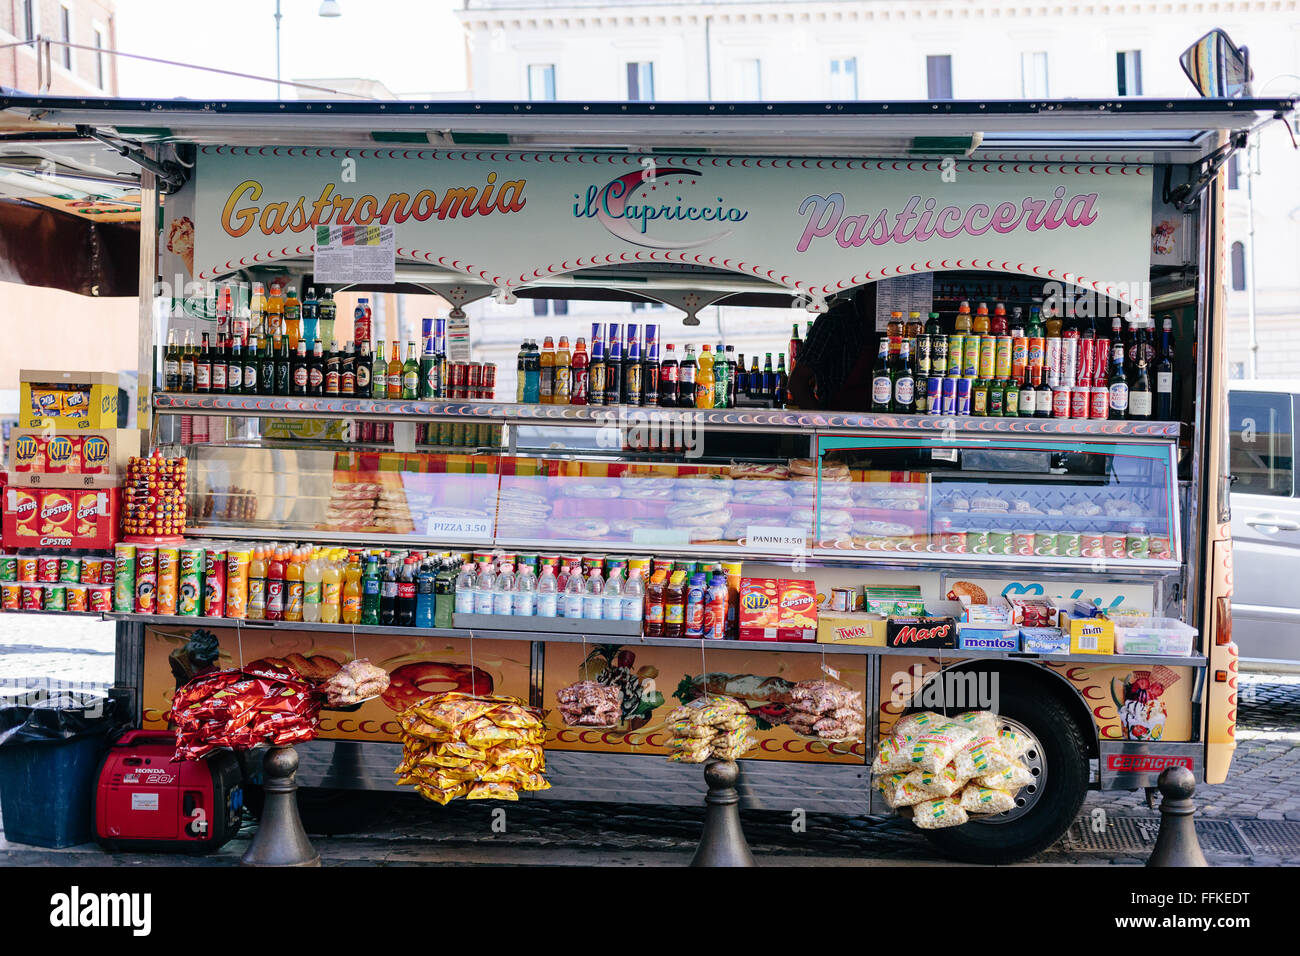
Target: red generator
(144,801)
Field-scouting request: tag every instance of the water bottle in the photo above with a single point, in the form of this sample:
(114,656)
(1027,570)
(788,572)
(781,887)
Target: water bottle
(525,596)
(487,579)
(548,594)
(633,598)
(465,589)
(503,592)
(614,596)
(573,597)
(593,608)
(424,596)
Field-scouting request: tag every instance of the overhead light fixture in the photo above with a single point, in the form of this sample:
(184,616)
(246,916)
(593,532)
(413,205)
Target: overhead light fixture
(330,8)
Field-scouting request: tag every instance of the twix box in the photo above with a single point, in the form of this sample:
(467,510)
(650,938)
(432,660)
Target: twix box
(777,609)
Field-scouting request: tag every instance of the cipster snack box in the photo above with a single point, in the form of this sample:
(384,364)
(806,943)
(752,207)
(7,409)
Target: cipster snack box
(777,609)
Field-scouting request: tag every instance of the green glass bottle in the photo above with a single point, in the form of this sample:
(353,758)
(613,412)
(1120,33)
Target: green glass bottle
(370,591)
(411,373)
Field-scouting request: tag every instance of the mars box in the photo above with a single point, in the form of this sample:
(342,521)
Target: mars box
(921,632)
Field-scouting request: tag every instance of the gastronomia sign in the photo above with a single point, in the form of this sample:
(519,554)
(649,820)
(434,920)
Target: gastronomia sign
(813,226)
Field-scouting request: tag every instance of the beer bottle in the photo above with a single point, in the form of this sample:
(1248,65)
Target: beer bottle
(734,369)
(364,371)
(235,366)
(283,368)
(266,367)
(187,362)
(882,380)
(316,370)
(1116,381)
(220,379)
(332,370)
(769,378)
(782,381)
(411,373)
(171,364)
(253,365)
(904,380)
(394,373)
(1141,396)
(203,367)
(740,381)
(1165,372)
(379,375)
(348,372)
(298,370)
(755,379)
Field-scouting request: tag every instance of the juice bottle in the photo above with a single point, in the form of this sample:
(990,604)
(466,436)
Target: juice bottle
(675,605)
(351,611)
(275,584)
(275,313)
(292,317)
(257,585)
(580,379)
(562,390)
(546,383)
(331,587)
(311,588)
(980,324)
(962,323)
(695,601)
(293,588)
(998,324)
(361,321)
(705,393)
(654,604)
(256,312)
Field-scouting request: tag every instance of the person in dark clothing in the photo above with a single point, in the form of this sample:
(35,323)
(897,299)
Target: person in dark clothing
(834,364)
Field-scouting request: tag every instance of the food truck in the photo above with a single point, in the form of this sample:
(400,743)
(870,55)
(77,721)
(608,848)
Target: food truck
(1094,212)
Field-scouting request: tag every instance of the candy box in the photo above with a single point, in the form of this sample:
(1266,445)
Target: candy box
(834,627)
(979,638)
(1089,635)
(1044,640)
(921,632)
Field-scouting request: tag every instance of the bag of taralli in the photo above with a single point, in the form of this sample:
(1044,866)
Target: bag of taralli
(983,722)
(977,799)
(980,756)
(1011,779)
(938,814)
(943,782)
(913,725)
(936,748)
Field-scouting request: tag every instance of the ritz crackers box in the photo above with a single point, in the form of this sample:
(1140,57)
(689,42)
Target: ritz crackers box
(72,401)
(100,452)
(777,609)
(60,517)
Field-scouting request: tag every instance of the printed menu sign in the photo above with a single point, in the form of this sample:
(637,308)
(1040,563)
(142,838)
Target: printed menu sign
(356,254)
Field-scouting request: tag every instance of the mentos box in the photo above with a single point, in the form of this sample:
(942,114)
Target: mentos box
(61,517)
(71,400)
(971,638)
(921,632)
(777,609)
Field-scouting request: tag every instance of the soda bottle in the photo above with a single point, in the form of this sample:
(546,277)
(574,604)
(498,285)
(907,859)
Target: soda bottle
(331,587)
(274,324)
(361,321)
(548,593)
(370,591)
(686,379)
(532,374)
(980,324)
(961,323)
(257,585)
(351,610)
(310,316)
(292,317)
(561,389)
(694,613)
(406,589)
(546,372)
(388,595)
(293,586)
(715,613)
(311,588)
(275,584)
(425,576)
(998,324)
(704,382)
(581,376)
(326,311)
(668,379)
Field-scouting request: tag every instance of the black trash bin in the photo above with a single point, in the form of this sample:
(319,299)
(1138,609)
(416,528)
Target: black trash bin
(49,757)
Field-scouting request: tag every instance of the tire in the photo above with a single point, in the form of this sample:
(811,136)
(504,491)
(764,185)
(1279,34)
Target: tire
(1052,807)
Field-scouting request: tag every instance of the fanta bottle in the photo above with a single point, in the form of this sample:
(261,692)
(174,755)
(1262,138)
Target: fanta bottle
(352,592)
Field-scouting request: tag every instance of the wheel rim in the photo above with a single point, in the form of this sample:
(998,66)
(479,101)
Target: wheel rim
(1035,762)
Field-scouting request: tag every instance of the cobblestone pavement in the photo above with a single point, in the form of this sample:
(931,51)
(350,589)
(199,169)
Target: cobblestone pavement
(1253,818)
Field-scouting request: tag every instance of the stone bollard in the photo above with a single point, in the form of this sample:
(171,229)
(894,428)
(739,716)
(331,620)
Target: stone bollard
(280,839)
(723,841)
(1176,843)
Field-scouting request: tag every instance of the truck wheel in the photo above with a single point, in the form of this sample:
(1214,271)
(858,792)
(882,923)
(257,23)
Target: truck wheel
(1058,758)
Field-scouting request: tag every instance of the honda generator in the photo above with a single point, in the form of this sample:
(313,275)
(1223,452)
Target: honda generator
(144,801)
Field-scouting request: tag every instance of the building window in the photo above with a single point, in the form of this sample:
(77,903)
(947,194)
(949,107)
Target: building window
(640,81)
(65,34)
(747,80)
(1128,72)
(938,77)
(1234,171)
(1033,76)
(28,13)
(541,81)
(1260,438)
(1238,267)
(844,78)
(1236,370)
(541,306)
(99,59)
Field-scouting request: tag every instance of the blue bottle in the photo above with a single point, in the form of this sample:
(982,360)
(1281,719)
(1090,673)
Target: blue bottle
(424,599)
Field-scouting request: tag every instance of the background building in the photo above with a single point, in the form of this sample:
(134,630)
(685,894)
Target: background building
(917,49)
(35,67)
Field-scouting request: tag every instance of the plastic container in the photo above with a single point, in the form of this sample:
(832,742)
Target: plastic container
(1153,635)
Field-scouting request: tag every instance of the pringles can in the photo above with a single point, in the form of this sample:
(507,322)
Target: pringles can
(146,579)
(237,561)
(168,579)
(189,591)
(124,578)
(214,582)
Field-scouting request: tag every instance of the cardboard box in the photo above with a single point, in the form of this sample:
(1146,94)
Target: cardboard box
(971,637)
(1090,635)
(92,451)
(60,517)
(860,628)
(1044,640)
(921,632)
(777,609)
(67,400)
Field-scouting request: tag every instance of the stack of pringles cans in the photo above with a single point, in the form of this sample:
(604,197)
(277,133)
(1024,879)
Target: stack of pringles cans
(1069,366)
(165,579)
(71,583)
